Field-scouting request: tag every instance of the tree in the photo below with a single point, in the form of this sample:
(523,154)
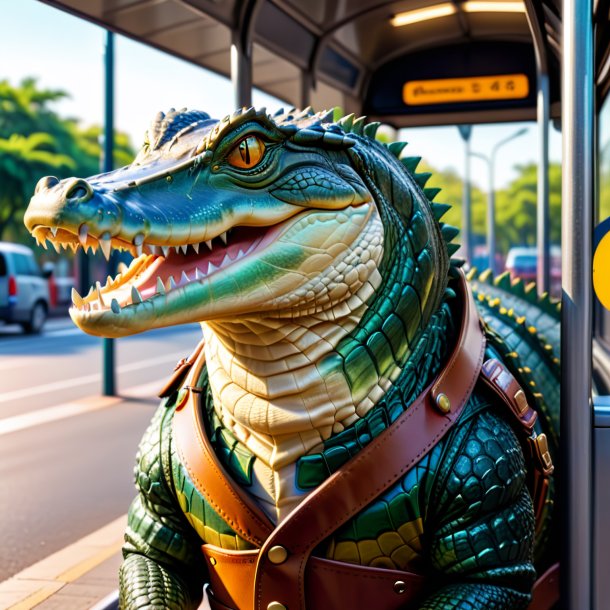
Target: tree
(516,208)
(452,192)
(35,141)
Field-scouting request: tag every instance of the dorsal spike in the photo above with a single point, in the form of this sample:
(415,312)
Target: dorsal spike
(422,178)
(503,281)
(457,262)
(450,293)
(431,193)
(370,130)
(358,125)
(347,121)
(485,276)
(439,209)
(411,163)
(449,232)
(327,116)
(397,147)
(452,248)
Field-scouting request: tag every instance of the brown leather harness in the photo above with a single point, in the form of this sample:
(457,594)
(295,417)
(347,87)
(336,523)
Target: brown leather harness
(281,572)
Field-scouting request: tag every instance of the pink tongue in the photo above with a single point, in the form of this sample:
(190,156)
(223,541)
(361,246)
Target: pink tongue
(242,238)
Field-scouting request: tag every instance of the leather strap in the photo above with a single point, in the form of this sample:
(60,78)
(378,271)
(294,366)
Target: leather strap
(545,594)
(376,467)
(207,473)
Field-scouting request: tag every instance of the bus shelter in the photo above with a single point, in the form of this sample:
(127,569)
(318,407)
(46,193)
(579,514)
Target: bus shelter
(436,62)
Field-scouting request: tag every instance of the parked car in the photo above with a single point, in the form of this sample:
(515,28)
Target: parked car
(523,262)
(24,291)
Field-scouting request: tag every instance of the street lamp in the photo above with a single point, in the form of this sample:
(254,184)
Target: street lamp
(491,201)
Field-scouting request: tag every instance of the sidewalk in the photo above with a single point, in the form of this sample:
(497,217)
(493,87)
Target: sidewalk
(75,578)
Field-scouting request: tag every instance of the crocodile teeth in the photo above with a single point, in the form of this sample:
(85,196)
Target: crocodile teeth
(184,248)
(223,236)
(184,278)
(211,268)
(198,274)
(77,299)
(122,267)
(82,235)
(54,231)
(138,240)
(109,281)
(136,297)
(177,249)
(171,283)
(105,244)
(196,248)
(56,246)
(160,286)
(98,290)
(165,250)
(114,305)
(208,243)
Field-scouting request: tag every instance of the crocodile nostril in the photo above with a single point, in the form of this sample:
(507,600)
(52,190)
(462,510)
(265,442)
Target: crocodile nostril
(80,190)
(46,183)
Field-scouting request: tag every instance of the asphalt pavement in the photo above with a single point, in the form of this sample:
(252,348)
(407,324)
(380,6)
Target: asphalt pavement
(67,454)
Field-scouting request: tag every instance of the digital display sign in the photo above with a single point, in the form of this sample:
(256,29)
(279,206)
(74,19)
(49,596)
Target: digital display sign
(468,89)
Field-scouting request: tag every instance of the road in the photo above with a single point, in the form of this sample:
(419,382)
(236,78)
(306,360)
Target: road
(66,455)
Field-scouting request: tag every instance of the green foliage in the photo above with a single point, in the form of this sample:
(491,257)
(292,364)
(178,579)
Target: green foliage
(452,192)
(516,208)
(515,205)
(34,142)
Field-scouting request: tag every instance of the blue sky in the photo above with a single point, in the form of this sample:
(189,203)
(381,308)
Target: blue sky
(64,52)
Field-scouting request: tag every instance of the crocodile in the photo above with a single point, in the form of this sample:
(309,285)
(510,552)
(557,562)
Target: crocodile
(316,260)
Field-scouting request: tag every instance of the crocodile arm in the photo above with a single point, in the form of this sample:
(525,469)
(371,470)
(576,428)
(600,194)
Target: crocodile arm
(482,521)
(163,565)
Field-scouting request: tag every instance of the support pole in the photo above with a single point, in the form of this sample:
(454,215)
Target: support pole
(108,382)
(543,228)
(491,217)
(306,86)
(466,132)
(578,122)
(241,70)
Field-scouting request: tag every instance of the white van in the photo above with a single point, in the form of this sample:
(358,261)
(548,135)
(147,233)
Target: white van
(24,290)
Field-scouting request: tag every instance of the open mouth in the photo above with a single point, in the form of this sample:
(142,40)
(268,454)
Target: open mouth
(156,270)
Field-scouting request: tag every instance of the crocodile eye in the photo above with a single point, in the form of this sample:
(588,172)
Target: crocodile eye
(247,153)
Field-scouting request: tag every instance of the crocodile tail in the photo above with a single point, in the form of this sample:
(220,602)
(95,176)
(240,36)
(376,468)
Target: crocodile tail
(525,329)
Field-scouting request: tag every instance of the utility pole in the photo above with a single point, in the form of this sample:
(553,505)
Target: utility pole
(107,165)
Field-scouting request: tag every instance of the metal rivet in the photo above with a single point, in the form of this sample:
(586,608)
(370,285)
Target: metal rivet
(521,401)
(400,586)
(277,554)
(276,606)
(213,561)
(169,179)
(443,403)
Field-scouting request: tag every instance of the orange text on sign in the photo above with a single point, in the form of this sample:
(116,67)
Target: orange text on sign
(468,89)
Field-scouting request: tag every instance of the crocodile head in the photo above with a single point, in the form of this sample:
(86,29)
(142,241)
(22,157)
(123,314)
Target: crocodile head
(225,218)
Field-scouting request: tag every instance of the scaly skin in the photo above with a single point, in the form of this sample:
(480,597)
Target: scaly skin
(316,263)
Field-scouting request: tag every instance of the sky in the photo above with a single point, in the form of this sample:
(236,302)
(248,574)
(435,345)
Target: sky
(66,53)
